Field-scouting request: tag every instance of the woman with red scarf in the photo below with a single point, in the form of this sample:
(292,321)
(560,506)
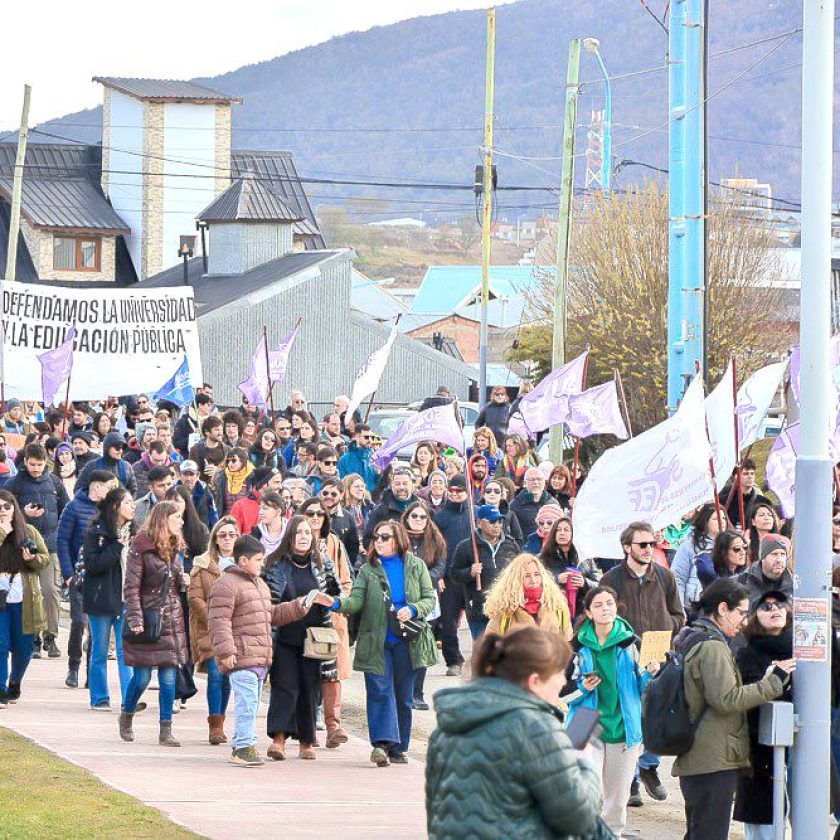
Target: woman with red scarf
(524,595)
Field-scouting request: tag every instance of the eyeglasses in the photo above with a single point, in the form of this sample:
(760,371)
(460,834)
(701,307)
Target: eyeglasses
(457,490)
(836,520)
(227,535)
(547,523)
(314,514)
(6,506)
(327,494)
(492,491)
(284,428)
(737,549)
(418,516)
(769,606)
(365,437)
(330,463)
(646,544)
(383,537)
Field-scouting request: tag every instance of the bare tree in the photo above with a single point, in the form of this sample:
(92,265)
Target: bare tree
(618,295)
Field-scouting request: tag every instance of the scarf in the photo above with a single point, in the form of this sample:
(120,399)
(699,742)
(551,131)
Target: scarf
(515,468)
(124,535)
(533,596)
(236,480)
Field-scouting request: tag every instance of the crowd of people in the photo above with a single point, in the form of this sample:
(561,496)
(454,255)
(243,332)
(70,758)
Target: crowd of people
(258,549)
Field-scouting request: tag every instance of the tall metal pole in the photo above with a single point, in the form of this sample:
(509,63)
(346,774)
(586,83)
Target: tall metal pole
(17,186)
(812,682)
(695,188)
(564,226)
(487,193)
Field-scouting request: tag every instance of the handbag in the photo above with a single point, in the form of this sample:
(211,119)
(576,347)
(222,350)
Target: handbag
(152,621)
(321,643)
(184,683)
(407,631)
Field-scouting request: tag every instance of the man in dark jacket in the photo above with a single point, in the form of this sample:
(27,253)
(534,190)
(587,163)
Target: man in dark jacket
(395,500)
(80,441)
(113,447)
(157,456)
(202,496)
(454,523)
(648,599)
(530,499)
(442,397)
(495,414)
(729,498)
(495,551)
(70,537)
(770,573)
(342,523)
(81,419)
(42,497)
(189,423)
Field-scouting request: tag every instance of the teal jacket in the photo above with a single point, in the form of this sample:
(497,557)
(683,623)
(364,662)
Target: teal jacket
(500,765)
(367,597)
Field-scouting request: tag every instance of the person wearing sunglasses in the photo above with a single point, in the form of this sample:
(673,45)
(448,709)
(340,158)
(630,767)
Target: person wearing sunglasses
(388,661)
(326,466)
(547,515)
(428,544)
(207,569)
(342,522)
(357,457)
(728,558)
(265,452)
(229,486)
(648,599)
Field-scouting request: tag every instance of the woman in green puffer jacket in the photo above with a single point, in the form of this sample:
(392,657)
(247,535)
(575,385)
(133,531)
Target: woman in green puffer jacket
(499,764)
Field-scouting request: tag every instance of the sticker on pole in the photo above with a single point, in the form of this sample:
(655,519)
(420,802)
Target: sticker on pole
(810,629)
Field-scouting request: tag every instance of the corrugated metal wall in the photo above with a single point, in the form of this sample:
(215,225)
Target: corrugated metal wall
(330,348)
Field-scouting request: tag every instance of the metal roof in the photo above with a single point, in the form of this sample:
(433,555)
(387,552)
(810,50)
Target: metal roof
(374,300)
(166,90)
(277,172)
(24,267)
(248,200)
(65,203)
(214,291)
(54,160)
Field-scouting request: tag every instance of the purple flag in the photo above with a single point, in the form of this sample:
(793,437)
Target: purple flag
(278,360)
(439,424)
(781,468)
(548,404)
(596,412)
(255,386)
(833,363)
(56,366)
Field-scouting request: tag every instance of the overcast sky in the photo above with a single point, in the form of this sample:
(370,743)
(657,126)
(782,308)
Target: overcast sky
(57,47)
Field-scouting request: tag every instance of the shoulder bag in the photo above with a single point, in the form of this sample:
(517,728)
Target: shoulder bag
(152,619)
(321,643)
(408,631)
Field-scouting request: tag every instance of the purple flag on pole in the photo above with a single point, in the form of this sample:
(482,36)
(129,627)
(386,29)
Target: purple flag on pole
(438,424)
(596,411)
(278,360)
(255,386)
(781,468)
(548,404)
(56,366)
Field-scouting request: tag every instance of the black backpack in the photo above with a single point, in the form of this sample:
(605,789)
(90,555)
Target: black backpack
(666,726)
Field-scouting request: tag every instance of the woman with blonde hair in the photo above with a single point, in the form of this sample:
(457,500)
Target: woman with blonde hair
(357,500)
(525,594)
(484,443)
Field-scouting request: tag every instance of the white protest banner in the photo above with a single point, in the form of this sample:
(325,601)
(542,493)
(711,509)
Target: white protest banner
(754,398)
(720,420)
(655,477)
(127,341)
(367,379)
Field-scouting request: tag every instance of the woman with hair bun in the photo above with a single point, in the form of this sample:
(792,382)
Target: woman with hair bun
(500,764)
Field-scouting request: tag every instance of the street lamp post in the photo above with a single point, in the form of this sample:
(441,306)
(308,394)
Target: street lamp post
(593,45)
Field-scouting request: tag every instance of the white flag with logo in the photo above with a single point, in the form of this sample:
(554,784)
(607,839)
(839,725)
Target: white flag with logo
(720,420)
(754,399)
(367,379)
(655,477)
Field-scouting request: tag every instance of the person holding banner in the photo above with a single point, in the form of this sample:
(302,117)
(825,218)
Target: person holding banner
(748,492)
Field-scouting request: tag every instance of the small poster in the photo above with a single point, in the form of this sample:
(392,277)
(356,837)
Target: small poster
(655,646)
(811,629)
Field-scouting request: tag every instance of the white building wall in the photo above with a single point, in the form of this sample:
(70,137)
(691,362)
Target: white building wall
(189,170)
(237,247)
(125,181)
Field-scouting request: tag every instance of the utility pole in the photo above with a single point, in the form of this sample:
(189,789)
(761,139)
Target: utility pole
(694,276)
(487,191)
(17,186)
(676,201)
(564,225)
(812,582)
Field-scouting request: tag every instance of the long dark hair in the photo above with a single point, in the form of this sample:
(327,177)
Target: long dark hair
(195,532)
(720,551)
(548,553)
(285,550)
(722,591)
(11,559)
(754,539)
(700,523)
(434,545)
(108,511)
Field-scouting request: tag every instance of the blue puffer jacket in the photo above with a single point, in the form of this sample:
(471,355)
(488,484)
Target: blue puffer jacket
(357,460)
(684,568)
(47,491)
(72,525)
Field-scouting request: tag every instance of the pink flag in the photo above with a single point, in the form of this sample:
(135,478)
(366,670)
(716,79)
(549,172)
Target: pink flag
(596,411)
(548,404)
(56,366)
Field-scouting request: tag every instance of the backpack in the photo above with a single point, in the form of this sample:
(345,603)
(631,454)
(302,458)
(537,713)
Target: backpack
(666,726)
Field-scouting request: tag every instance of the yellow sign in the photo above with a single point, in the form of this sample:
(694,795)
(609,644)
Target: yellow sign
(655,644)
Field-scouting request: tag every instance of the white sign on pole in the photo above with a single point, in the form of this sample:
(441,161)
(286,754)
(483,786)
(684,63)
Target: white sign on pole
(127,341)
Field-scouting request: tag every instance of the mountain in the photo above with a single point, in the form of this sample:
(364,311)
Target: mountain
(405,102)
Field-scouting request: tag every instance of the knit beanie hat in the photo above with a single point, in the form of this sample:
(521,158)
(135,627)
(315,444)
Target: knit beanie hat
(140,430)
(551,510)
(770,542)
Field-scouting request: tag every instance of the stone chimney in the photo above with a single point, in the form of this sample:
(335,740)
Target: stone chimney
(248,226)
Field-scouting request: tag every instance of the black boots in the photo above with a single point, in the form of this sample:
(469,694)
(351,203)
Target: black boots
(72,679)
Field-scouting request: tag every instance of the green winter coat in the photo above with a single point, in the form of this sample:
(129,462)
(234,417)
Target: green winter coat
(367,597)
(713,682)
(500,765)
(34,616)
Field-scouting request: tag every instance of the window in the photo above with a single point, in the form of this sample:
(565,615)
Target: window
(76,253)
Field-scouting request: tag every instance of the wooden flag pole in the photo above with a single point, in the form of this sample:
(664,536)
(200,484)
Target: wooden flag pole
(623,402)
(268,372)
(736,485)
(370,406)
(576,459)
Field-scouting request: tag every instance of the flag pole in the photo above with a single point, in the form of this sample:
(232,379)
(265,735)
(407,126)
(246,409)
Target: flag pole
(268,372)
(576,460)
(623,402)
(370,406)
(470,497)
(736,485)
(65,428)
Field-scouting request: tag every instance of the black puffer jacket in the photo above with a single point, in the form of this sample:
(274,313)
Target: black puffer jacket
(103,587)
(47,491)
(495,417)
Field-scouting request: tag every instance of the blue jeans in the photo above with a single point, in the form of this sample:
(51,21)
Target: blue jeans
(758,832)
(218,689)
(247,690)
(167,680)
(100,636)
(15,642)
(390,698)
(477,627)
(647,761)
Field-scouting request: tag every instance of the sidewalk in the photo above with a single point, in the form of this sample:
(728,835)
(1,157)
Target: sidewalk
(194,786)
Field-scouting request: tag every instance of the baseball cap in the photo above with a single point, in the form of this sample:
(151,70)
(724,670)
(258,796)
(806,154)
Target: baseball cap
(780,596)
(188,467)
(489,512)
